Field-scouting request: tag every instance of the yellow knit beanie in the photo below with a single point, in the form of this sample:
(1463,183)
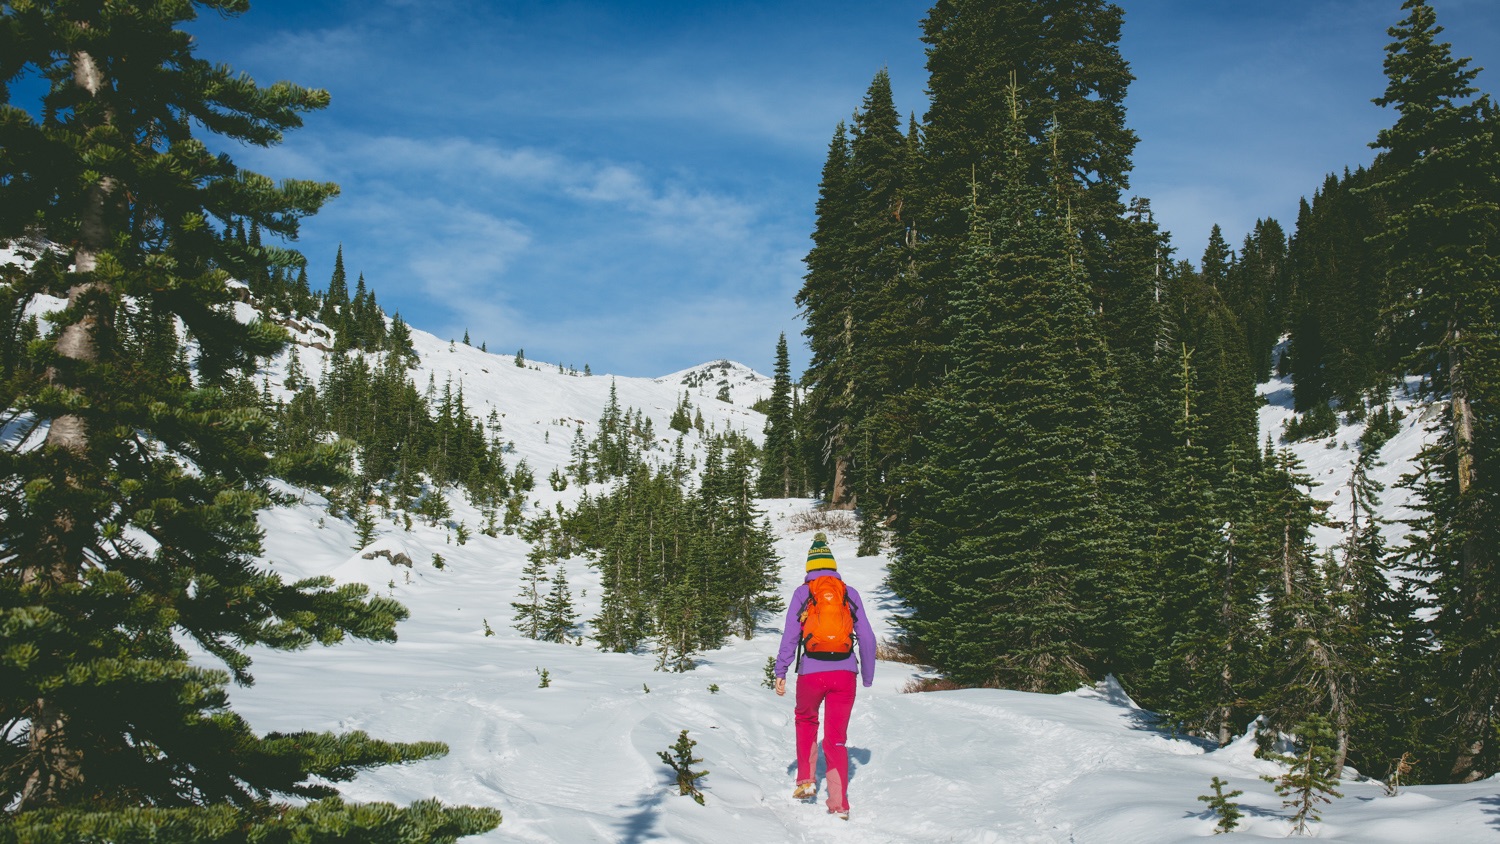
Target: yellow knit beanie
(818,556)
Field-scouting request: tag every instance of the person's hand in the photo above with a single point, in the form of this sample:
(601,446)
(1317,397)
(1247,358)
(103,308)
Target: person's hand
(780,686)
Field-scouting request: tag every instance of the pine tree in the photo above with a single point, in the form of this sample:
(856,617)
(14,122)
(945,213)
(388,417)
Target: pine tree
(1253,293)
(682,418)
(1220,804)
(530,615)
(1203,321)
(679,757)
(559,618)
(1014,531)
(336,300)
(1192,679)
(886,322)
(1364,605)
(1338,288)
(1064,63)
(1312,775)
(1218,261)
(780,447)
(120,734)
(1440,166)
(1305,664)
(364,520)
(825,301)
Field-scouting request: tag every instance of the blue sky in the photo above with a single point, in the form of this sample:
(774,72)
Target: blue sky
(631,184)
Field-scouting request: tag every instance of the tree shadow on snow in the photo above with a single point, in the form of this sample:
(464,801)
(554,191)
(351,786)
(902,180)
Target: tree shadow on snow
(1280,397)
(1151,722)
(887,601)
(640,825)
(1491,810)
(1245,809)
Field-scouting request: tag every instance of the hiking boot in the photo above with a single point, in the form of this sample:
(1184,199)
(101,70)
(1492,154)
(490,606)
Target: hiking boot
(843,816)
(805,791)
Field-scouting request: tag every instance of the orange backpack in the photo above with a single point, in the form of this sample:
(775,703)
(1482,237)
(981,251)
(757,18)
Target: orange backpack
(827,620)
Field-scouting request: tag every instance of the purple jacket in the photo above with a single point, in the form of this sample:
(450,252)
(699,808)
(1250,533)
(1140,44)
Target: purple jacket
(791,635)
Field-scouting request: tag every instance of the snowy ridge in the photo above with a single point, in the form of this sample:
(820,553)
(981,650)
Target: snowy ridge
(746,386)
(539,406)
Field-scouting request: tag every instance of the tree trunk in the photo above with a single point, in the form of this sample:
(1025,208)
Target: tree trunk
(56,768)
(841,497)
(1474,722)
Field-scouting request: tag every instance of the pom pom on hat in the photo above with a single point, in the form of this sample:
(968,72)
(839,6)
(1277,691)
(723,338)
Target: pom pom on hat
(818,556)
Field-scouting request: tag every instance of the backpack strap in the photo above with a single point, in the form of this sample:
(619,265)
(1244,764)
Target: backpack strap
(802,640)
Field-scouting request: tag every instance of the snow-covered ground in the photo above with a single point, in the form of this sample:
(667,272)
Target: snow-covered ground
(577,761)
(1328,461)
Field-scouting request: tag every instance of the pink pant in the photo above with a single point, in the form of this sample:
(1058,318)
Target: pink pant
(834,691)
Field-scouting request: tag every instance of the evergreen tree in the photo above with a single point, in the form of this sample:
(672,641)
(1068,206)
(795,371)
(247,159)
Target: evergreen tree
(336,300)
(1221,805)
(1014,534)
(1202,601)
(559,618)
(1439,168)
(681,760)
(1062,58)
(883,318)
(1366,610)
(1304,665)
(826,302)
(530,604)
(1204,323)
(111,712)
(1254,293)
(682,418)
(1218,261)
(1338,288)
(364,520)
(1312,775)
(780,449)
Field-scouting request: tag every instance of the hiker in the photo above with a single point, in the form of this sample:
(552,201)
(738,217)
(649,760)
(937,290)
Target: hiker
(824,621)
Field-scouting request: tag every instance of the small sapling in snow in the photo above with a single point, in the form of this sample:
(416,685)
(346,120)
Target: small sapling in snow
(679,757)
(770,678)
(1311,776)
(546,679)
(713,688)
(1221,805)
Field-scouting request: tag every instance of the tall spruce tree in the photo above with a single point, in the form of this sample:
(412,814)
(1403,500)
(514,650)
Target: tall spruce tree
(1303,664)
(132,528)
(778,466)
(1438,176)
(1194,673)
(825,300)
(888,319)
(1014,536)
(1064,58)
